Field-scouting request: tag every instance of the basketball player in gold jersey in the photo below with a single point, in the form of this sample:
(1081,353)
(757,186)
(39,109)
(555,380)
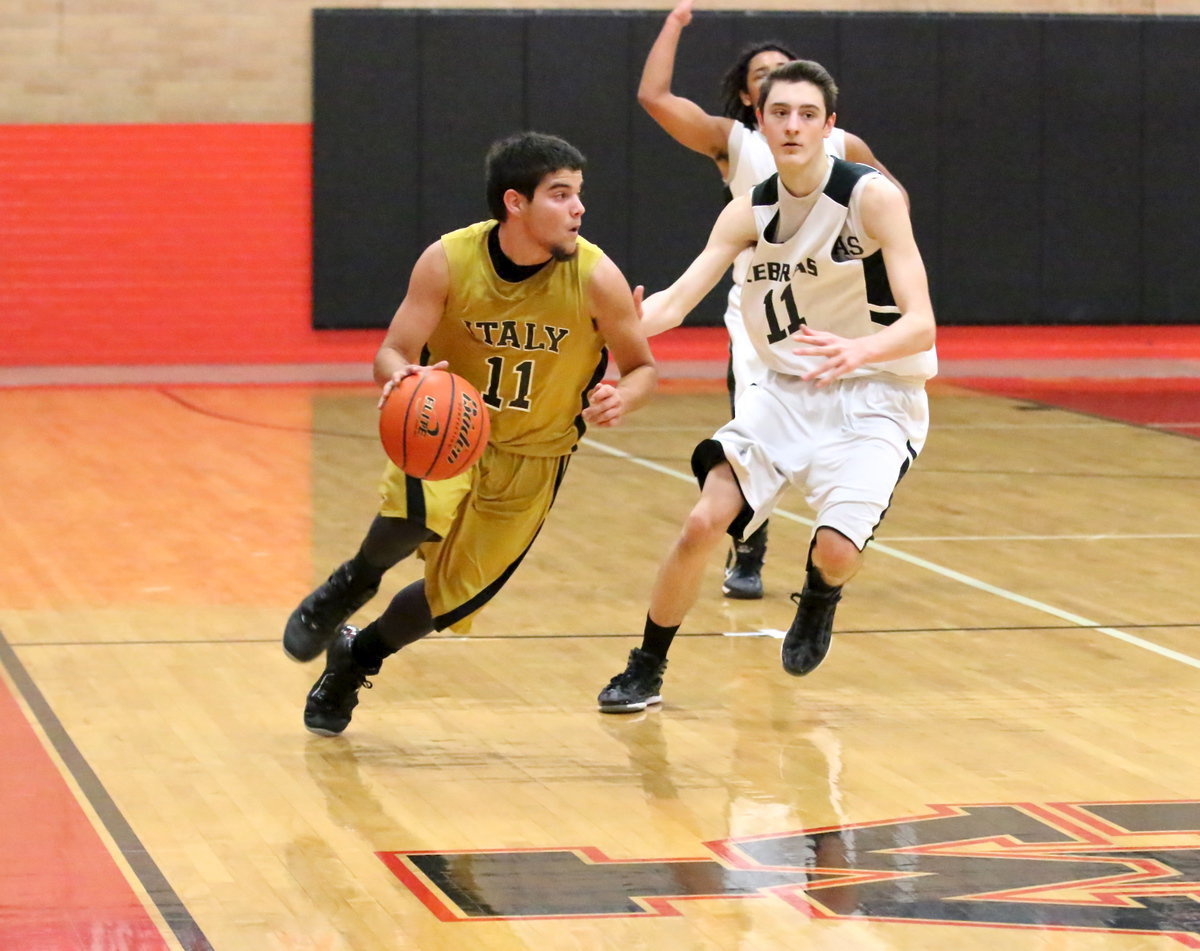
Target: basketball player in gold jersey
(527,311)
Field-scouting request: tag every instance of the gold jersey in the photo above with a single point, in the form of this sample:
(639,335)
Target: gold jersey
(531,348)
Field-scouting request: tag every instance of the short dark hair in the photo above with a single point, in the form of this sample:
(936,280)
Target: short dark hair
(521,161)
(802,71)
(734,83)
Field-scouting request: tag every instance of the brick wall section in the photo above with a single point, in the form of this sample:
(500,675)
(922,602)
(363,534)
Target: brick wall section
(240,61)
(143,244)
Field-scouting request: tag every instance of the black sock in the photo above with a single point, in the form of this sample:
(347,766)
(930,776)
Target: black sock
(656,639)
(817,585)
(368,649)
(405,620)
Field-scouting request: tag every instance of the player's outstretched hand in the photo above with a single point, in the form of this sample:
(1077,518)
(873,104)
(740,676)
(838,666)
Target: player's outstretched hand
(605,406)
(842,354)
(401,374)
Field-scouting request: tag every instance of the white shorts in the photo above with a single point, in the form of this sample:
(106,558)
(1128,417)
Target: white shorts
(846,445)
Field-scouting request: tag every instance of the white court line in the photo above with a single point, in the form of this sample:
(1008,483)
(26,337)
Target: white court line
(950,573)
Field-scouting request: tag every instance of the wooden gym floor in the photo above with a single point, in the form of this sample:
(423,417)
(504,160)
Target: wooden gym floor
(999,752)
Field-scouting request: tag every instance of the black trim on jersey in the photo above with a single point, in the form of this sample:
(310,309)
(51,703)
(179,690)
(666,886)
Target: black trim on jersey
(766,192)
(843,178)
(879,289)
(771,231)
(450,618)
(414,501)
(730,382)
(597,376)
(506,269)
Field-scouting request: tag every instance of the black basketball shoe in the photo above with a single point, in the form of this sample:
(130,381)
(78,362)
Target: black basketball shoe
(334,696)
(743,567)
(313,625)
(635,687)
(807,640)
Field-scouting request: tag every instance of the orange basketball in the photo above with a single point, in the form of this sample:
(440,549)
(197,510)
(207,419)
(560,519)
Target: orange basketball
(434,425)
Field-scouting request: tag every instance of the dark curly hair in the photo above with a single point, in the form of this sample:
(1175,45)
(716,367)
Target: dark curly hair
(734,83)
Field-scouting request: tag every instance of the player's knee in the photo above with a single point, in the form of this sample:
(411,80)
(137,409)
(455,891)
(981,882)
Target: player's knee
(390,540)
(836,557)
(702,528)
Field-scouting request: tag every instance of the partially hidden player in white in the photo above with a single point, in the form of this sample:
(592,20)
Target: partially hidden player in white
(736,145)
(836,304)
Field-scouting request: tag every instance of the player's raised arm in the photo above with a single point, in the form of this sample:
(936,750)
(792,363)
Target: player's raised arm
(733,231)
(682,119)
(613,309)
(415,319)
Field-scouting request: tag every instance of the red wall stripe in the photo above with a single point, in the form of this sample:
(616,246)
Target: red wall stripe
(191,244)
(160,244)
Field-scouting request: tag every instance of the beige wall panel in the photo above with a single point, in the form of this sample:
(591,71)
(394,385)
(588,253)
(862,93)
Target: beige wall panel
(225,61)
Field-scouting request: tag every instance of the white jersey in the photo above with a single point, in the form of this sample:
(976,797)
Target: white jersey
(829,275)
(750,161)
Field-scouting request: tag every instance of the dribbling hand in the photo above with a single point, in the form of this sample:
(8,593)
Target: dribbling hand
(399,375)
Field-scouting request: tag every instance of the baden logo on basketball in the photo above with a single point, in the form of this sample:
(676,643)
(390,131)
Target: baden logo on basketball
(467,436)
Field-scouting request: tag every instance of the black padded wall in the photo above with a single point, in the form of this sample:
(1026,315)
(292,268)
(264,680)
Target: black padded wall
(1049,160)
(1166,170)
(587,114)
(987,152)
(1091,157)
(367,153)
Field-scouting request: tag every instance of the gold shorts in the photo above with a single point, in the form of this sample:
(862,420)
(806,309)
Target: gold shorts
(431,504)
(486,519)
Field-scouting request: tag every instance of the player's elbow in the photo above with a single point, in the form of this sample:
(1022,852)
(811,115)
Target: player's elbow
(926,335)
(647,99)
(655,101)
(380,372)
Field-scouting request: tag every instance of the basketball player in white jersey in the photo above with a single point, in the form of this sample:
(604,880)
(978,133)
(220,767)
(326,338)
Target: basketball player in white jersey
(836,304)
(734,142)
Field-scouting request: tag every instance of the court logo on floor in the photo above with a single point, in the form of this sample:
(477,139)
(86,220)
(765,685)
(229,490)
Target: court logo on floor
(1125,867)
